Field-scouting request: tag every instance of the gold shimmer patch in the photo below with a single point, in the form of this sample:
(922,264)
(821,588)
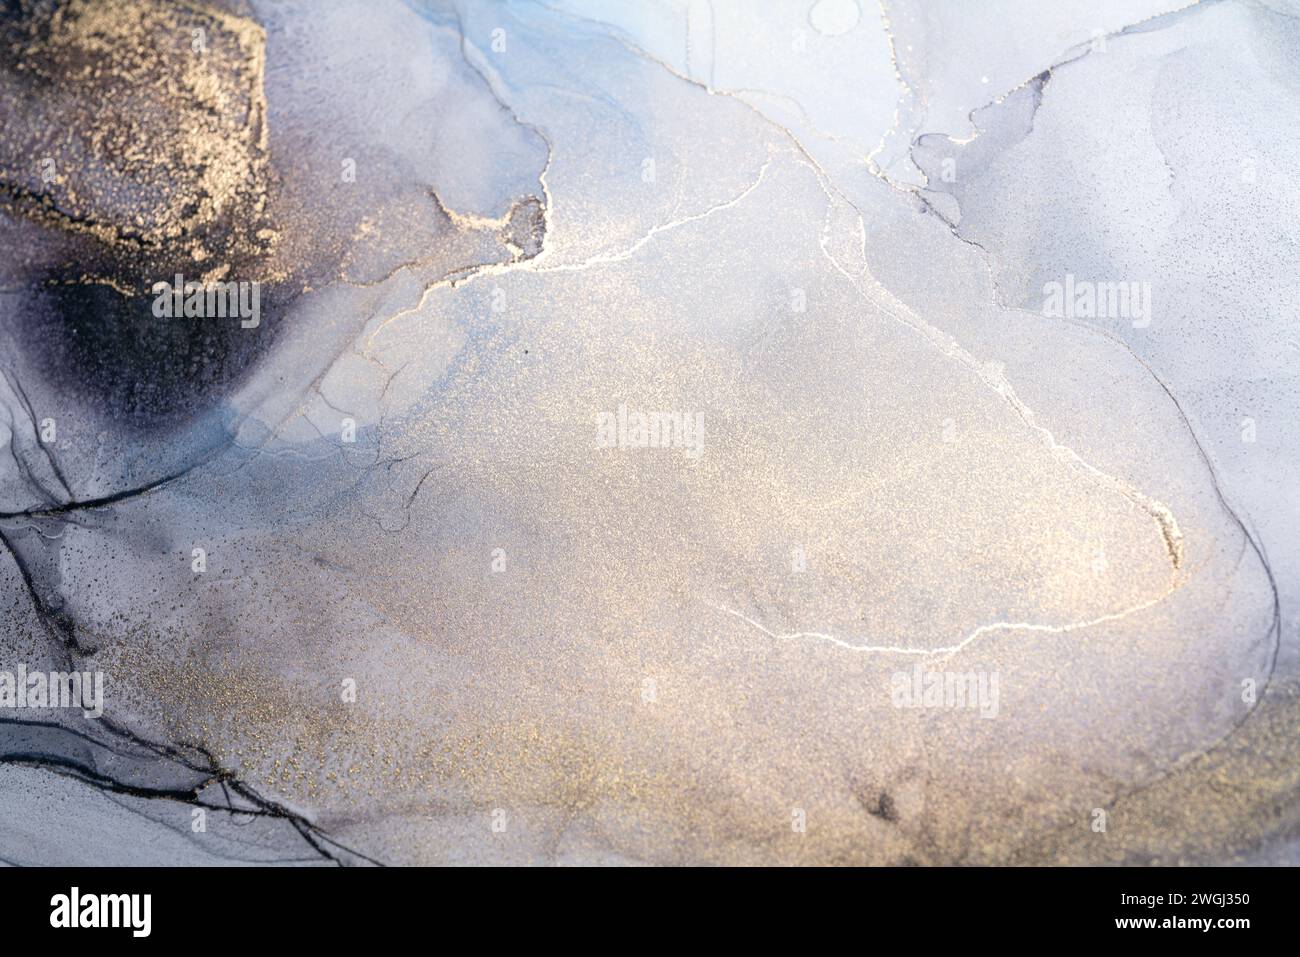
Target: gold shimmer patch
(137,121)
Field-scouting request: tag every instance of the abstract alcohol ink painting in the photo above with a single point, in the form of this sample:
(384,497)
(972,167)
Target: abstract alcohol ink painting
(674,432)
